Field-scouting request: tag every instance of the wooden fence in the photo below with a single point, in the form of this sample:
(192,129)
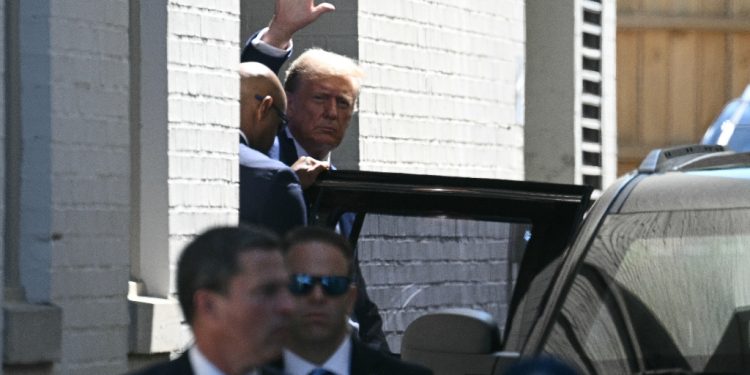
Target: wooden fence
(678,63)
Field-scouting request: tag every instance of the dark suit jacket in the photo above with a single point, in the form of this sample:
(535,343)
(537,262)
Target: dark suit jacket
(270,193)
(249,53)
(287,152)
(368,361)
(181,366)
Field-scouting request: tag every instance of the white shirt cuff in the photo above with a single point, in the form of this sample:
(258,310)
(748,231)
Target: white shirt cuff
(267,48)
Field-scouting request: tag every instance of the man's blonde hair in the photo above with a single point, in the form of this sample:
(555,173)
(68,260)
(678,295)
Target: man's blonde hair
(316,63)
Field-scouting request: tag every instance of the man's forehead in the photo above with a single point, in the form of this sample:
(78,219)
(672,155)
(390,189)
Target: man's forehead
(344,84)
(312,248)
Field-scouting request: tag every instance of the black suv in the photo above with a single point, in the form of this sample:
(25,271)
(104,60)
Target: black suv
(472,274)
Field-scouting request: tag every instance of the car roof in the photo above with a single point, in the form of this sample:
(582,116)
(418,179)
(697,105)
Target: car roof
(694,190)
(690,177)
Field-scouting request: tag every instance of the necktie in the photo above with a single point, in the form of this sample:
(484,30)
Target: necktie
(321,371)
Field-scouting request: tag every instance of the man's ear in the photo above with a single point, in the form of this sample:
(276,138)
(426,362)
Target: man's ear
(206,304)
(290,102)
(264,109)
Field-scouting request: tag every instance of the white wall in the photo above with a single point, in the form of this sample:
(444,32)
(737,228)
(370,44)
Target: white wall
(203,119)
(440,94)
(88,87)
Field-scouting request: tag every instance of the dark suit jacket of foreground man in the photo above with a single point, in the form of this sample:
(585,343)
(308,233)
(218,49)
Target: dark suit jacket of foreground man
(270,193)
(367,361)
(181,366)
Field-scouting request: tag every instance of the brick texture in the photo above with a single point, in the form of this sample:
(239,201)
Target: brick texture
(202,50)
(440,93)
(90,171)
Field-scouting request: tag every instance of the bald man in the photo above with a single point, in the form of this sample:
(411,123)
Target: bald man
(270,192)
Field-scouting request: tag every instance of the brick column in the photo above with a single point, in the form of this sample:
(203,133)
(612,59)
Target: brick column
(203,118)
(89,87)
(185,143)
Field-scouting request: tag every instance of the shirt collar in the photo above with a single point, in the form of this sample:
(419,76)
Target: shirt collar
(202,366)
(244,137)
(301,151)
(338,363)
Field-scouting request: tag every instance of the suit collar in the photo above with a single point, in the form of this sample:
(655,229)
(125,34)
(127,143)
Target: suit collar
(287,149)
(290,150)
(243,139)
(339,362)
(363,360)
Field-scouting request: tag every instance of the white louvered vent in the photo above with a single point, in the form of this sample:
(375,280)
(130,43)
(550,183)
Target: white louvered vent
(591,96)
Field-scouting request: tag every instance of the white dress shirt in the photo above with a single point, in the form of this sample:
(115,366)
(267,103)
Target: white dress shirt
(339,363)
(202,366)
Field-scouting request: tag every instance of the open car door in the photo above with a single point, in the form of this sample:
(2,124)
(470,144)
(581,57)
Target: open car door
(427,243)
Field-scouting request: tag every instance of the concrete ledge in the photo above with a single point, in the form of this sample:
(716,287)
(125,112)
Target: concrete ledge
(155,325)
(33,333)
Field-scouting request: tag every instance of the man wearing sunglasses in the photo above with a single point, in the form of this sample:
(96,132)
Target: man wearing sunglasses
(270,191)
(319,341)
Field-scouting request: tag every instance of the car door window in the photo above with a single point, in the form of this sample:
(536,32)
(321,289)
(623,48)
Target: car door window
(415,265)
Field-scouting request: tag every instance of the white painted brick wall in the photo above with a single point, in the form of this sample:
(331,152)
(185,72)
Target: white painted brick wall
(90,168)
(202,50)
(440,92)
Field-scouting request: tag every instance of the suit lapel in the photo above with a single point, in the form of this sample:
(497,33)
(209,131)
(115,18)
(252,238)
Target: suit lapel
(287,151)
(363,363)
(181,365)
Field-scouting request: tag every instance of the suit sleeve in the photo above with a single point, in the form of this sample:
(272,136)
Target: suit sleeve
(284,205)
(252,54)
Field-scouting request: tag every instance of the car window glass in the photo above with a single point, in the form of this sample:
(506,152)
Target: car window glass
(661,290)
(745,118)
(715,130)
(740,140)
(416,265)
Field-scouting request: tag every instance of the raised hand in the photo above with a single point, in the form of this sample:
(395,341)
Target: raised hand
(291,16)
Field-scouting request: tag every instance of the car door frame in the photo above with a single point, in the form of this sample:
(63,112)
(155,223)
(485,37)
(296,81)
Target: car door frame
(554,210)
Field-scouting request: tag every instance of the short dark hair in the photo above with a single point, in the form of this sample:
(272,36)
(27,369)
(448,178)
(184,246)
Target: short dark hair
(322,235)
(211,260)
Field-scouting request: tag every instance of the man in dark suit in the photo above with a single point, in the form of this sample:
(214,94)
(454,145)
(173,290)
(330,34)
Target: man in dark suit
(270,192)
(322,89)
(233,289)
(319,261)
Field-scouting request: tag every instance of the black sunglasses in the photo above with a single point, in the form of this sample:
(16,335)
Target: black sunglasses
(302,285)
(282,115)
